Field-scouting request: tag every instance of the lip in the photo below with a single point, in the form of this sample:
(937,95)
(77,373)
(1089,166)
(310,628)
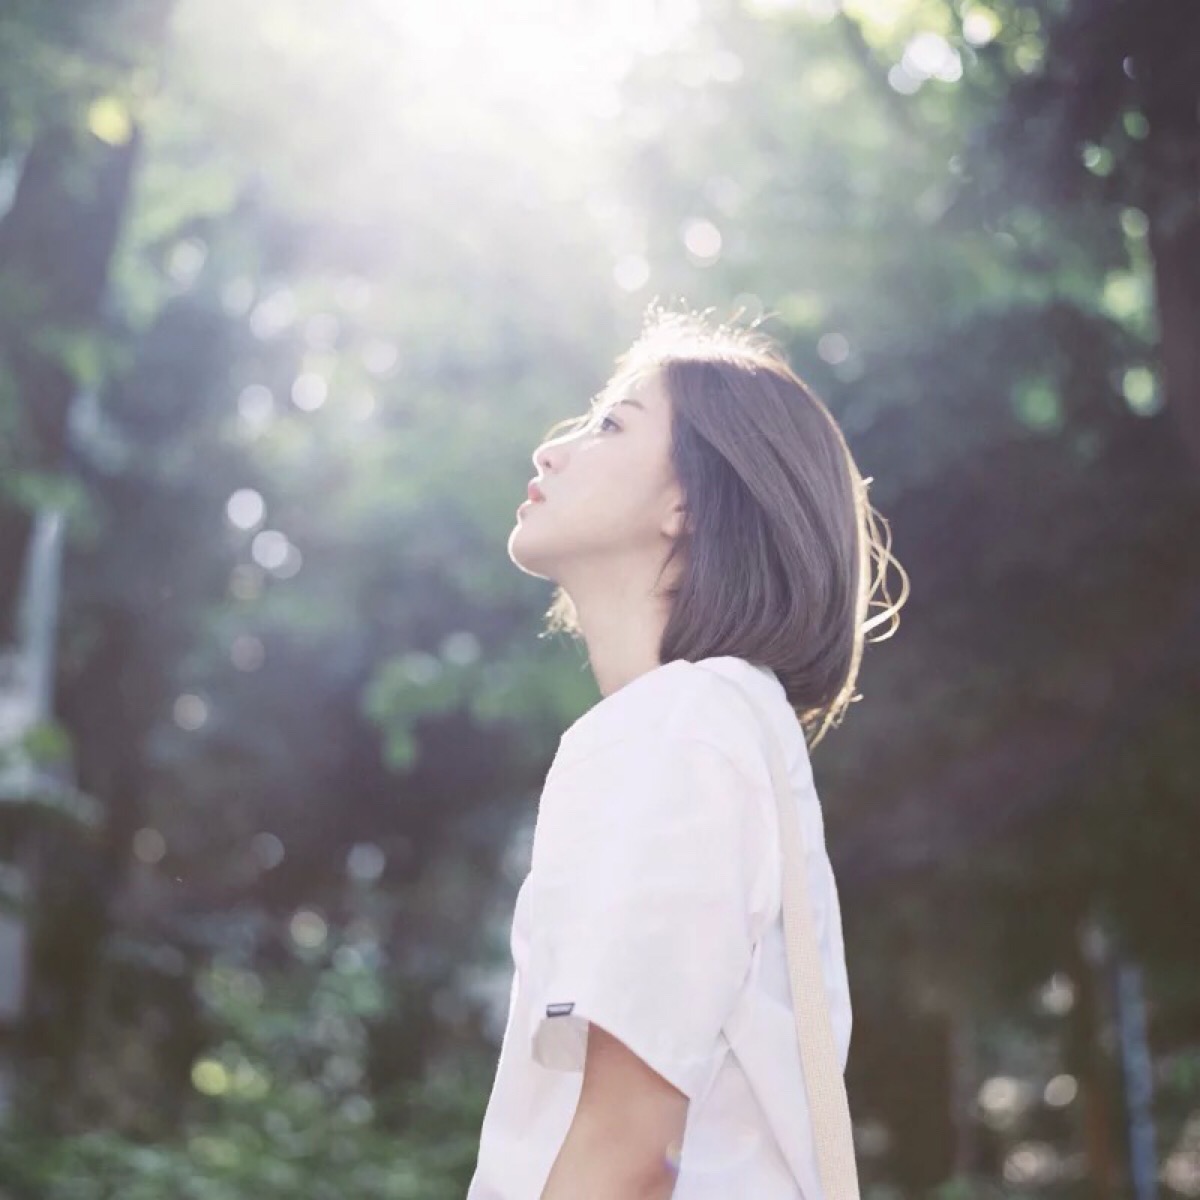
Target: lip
(534,492)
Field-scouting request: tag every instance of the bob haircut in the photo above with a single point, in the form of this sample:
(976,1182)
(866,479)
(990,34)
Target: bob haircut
(781,542)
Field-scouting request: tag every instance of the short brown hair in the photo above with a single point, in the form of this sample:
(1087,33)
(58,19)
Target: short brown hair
(780,535)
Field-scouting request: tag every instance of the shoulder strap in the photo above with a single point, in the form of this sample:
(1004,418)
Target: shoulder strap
(828,1104)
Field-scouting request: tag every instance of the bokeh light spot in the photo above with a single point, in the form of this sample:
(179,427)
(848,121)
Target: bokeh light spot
(827,83)
(149,846)
(209,1077)
(420,668)
(255,406)
(1098,159)
(1032,1163)
(189,711)
(833,348)
(702,240)
(365,862)
(1038,405)
(1003,1099)
(245,582)
(1057,996)
(1060,1091)
(237,296)
(109,120)
(980,25)
(293,560)
(269,549)
(1124,295)
(462,647)
(631,272)
(1141,391)
(273,314)
(1028,54)
(247,652)
(380,357)
(1136,124)
(308,929)
(930,56)
(1135,223)
(186,260)
(899,80)
(268,849)
(348,960)
(309,391)
(245,508)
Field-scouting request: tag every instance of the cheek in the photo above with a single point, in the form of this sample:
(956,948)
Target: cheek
(598,474)
(626,506)
(613,491)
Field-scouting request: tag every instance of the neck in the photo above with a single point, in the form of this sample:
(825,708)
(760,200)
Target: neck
(623,630)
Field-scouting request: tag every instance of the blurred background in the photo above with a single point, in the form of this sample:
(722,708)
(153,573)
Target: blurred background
(290,291)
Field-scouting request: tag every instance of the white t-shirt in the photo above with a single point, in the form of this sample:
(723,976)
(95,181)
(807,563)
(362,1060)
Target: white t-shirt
(652,907)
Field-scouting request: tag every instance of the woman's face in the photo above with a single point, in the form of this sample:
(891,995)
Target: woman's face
(612,503)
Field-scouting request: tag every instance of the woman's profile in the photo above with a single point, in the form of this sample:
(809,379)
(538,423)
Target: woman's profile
(704,518)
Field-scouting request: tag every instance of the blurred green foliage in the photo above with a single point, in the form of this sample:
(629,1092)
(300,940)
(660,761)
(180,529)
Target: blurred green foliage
(279,1107)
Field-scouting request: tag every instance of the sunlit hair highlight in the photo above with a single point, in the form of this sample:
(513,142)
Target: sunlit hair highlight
(783,552)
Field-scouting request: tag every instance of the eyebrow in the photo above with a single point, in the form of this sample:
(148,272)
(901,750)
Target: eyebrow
(600,405)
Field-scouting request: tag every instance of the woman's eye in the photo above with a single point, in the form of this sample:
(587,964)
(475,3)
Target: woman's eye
(610,421)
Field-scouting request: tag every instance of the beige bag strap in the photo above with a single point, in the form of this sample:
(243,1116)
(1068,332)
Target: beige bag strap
(829,1107)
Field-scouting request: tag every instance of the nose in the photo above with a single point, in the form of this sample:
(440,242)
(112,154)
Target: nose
(552,453)
(545,457)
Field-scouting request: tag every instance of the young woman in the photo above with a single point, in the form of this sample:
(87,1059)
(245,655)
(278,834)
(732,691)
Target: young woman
(705,518)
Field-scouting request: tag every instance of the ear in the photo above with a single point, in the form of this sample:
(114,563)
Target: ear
(675,523)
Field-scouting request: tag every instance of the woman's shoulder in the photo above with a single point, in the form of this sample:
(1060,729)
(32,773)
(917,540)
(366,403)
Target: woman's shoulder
(680,700)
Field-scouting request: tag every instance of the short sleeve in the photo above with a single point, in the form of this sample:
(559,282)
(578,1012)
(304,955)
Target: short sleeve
(648,857)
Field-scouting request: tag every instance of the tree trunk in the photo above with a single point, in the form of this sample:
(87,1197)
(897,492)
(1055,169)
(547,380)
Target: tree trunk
(56,244)
(1171,93)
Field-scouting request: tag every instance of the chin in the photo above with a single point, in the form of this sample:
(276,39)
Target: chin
(524,557)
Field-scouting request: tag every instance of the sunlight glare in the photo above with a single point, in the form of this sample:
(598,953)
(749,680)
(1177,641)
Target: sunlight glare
(563,61)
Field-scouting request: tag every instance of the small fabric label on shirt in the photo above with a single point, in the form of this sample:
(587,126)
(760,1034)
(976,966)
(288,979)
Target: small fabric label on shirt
(559,1010)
